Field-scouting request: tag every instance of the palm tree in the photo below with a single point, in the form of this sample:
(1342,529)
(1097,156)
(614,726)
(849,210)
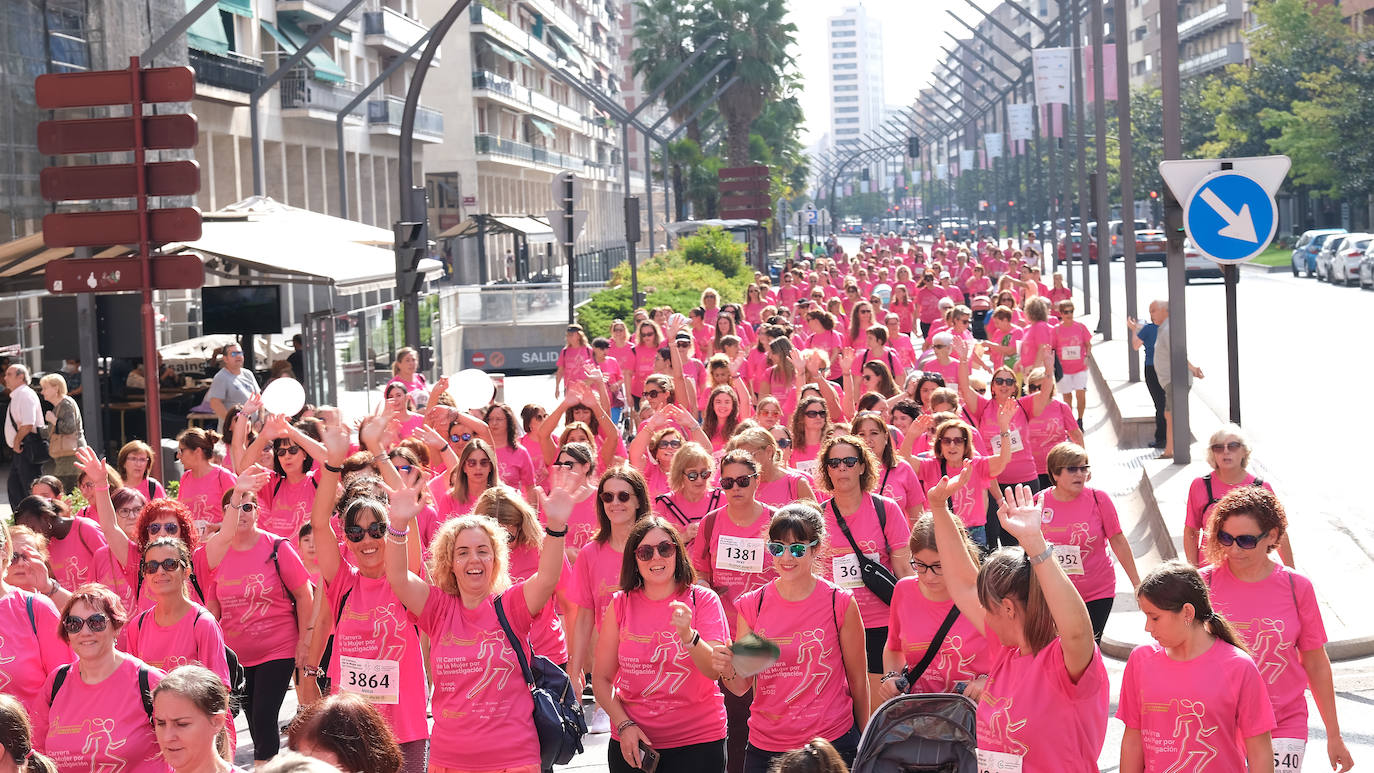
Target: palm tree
(664,30)
(755,39)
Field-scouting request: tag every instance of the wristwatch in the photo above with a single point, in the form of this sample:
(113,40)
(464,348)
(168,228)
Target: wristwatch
(1043,557)
(53,587)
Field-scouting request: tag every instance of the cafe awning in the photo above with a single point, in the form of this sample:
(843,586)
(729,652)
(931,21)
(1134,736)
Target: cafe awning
(535,229)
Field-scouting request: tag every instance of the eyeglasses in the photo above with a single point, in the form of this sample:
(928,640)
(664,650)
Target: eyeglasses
(652,393)
(742,481)
(666,549)
(953,441)
(797,549)
(168,565)
(460,438)
(940,346)
(95,622)
(670,444)
(375,530)
(1077,469)
(235,354)
(999,381)
(477,464)
(697,474)
(611,496)
(646,335)
(835,462)
(127,513)
(1233,445)
(406,468)
(1246,541)
(814,414)
(288,450)
(170,529)
(246,507)
(935,569)
(566,463)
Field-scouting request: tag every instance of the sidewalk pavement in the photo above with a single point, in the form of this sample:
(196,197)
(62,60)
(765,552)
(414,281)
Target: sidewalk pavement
(1151,494)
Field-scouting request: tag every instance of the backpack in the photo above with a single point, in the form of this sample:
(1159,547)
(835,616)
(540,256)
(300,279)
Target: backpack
(672,507)
(1211,500)
(144,688)
(238,680)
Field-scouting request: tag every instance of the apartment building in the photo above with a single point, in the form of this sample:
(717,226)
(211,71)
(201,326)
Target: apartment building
(855,51)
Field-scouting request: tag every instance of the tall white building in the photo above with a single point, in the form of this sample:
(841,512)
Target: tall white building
(856,74)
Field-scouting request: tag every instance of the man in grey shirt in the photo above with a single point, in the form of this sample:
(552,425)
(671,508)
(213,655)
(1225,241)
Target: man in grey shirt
(1164,371)
(233,385)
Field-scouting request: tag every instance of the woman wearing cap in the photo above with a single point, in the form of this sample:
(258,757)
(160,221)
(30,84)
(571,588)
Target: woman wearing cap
(573,359)
(1044,705)
(1228,454)
(30,647)
(654,673)
(1276,611)
(817,686)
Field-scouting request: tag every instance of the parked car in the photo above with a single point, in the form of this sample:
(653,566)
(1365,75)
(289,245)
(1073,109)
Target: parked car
(1074,242)
(1307,247)
(956,229)
(1198,266)
(1116,228)
(1327,254)
(1150,244)
(1367,269)
(1345,264)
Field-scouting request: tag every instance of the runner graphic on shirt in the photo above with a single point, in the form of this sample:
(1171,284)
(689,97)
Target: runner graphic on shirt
(493,649)
(1191,731)
(1266,641)
(1002,726)
(100,741)
(71,568)
(1078,535)
(255,592)
(5,678)
(951,659)
(386,629)
(811,656)
(671,674)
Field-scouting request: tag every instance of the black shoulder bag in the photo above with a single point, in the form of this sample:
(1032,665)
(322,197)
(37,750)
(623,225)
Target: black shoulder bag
(876,577)
(913,673)
(558,718)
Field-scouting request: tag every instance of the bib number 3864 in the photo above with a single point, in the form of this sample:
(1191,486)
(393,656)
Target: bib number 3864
(379,681)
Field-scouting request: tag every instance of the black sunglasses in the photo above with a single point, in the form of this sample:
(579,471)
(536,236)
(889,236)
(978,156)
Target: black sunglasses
(742,481)
(1077,468)
(670,444)
(611,496)
(835,462)
(170,529)
(814,414)
(567,463)
(95,622)
(652,393)
(697,474)
(463,438)
(666,549)
(167,564)
(375,530)
(246,507)
(288,450)
(999,381)
(1246,541)
(1032,387)
(784,442)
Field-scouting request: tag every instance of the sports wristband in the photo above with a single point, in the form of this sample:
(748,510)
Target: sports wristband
(554,533)
(1043,557)
(332,468)
(620,728)
(394,533)
(696,637)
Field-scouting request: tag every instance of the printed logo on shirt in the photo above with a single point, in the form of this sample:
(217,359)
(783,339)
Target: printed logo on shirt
(952,661)
(5,678)
(497,661)
(1271,651)
(97,750)
(255,593)
(387,642)
(670,674)
(811,669)
(1193,739)
(1002,725)
(71,568)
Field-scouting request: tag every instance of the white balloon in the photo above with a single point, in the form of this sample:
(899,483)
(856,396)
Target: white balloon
(471,388)
(285,396)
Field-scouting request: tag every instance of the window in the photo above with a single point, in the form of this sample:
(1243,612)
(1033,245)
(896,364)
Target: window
(842,33)
(839,121)
(853,98)
(847,109)
(844,66)
(844,44)
(843,55)
(842,22)
(847,131)
(845,76)
(847,88)
(1138,34)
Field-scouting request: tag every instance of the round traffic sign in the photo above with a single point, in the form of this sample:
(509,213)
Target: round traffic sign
(478,359)
(1230,217)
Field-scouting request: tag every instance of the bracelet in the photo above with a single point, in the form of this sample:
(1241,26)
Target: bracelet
(53,587)
(332,468)
(620,728)
(553,533)
(1043,557)
(889,675)
(395,540)
(696,637)
(394,533)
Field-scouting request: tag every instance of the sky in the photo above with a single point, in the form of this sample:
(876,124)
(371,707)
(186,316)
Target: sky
(913,31)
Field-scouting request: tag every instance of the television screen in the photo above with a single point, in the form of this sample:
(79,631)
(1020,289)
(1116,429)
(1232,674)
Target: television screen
(241,309)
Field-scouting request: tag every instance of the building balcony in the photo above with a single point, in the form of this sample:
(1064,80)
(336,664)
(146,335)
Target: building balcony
(485,20)
(393,31)
(227,78)
(513,94)
(1210,19)
(306,97)
(384,117)
(502,149)
(1231,53)
(320,11)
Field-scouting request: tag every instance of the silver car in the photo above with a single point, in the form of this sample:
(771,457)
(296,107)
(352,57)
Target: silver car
(1327,253)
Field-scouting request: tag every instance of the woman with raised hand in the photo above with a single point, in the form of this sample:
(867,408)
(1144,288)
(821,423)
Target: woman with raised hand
(175,631)
(192,722)
(1275,610)
(1006,390)
(291,486)
(690,496)
(817,686)
(73,540)
(30,647)
(262,597)
(778,485)
(1044,705)
(653,672)
(482,722)
(1194,699)
(952,451)
(652,452)
(116,564)
(1052,423)
(513,462)
(204,483)
(376,652)
(898,481)
(474,473)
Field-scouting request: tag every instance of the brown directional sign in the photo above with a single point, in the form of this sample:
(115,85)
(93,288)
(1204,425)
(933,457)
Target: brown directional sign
(101,229)
(115,181)
(761,215)
(114,135)
(108,275)
(745,201)
(742,172)
(113,87)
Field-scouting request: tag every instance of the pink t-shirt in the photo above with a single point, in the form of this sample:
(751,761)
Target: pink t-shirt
(804,459)
(656,680)
(656,480)
(195,639)
(515,467)
(204,494)
(98,727)
(1086,522)
(479,692)
(1021,467)
(681,512)
(375,625)
(1194,714)
(1038,334)
(1071,344)
(783,490)
(625,355)
(901,485)
(123,580)
(731,583)
(582,524)
(1048,430)
(912,625)
(949,370)
(546,636)
(285,506)
(1279,619)
(73,557)
(928,303)
(971,501)
(643,367)
(874,541)
(1198,508)
(256,610)
(1030,708)
(806,692)
(1057,294)
(531,445)
(29,651)
(596,577)
(573,361)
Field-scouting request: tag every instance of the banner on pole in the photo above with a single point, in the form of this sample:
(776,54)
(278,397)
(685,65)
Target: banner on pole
(941,172)
(1109,72)
(965,159)
(993,143)
(1053,114)
(1052,72)
(848,190)
(1019,121)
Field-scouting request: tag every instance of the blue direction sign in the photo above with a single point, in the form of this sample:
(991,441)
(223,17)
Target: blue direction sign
(1230,217)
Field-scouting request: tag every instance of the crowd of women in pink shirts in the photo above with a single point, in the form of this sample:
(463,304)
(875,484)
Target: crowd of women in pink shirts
(897,407)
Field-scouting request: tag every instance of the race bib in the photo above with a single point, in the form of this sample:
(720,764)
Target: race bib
(1072,353)
(1070,558)
(846,570)
(1288,754)
(998,762)
(808,466)
(739,554)
(201,526)
(1016,445)
(379,681)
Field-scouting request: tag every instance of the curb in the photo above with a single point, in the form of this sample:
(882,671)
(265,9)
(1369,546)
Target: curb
(1262,269)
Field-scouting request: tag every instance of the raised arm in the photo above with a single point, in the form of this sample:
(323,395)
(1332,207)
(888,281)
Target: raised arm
(1004,415)
(94,468)
(960,571)
(327,553)
(688,422)
(248,482)
(567,488)
(408,587)
(544,432)
(971,398)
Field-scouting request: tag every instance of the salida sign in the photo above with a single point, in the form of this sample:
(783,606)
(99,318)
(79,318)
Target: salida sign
(533,358)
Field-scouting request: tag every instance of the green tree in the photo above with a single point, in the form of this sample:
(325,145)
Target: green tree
(663,38)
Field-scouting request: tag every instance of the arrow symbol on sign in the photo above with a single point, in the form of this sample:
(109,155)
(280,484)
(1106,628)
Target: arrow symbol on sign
(1238,226)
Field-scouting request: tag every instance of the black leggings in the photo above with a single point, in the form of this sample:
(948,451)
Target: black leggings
(737,710)
(697,758)
(1098,611)
(996,535)
(267,684)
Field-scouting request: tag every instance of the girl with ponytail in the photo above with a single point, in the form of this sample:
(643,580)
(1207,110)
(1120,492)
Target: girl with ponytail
(1196,678)
(16,740)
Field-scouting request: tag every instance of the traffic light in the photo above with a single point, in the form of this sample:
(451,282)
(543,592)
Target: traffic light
(1011,203)
(412,246)
(913,147)
(1154,194)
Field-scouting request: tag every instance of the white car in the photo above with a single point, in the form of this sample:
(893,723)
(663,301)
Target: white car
(1326,255)
(1198,266)
(1344,266)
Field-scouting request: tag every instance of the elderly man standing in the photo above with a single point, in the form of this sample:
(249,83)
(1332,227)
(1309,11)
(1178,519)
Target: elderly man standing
(1162,367)
(24,418)
(233,384)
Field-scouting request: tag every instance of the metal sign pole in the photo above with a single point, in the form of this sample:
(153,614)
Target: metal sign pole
(1232,275)
(1178,313)
(568,237)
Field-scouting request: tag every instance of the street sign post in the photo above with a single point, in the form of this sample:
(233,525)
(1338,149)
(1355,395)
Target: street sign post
(1230,215)
(567,222)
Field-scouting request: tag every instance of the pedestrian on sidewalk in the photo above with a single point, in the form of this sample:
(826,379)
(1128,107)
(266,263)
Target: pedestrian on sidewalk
(24,418)
(1164,372)
(1143,337)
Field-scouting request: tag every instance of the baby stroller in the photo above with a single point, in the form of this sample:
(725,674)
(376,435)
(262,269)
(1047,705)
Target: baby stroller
(932,733)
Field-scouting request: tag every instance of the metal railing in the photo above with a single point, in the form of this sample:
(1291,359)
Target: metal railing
(388,111)
(394,26)
(514,304)
(499,146)
(1212,17)
(233,72)
(333,6)
(1231,53)
(299,90)
(485,79)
